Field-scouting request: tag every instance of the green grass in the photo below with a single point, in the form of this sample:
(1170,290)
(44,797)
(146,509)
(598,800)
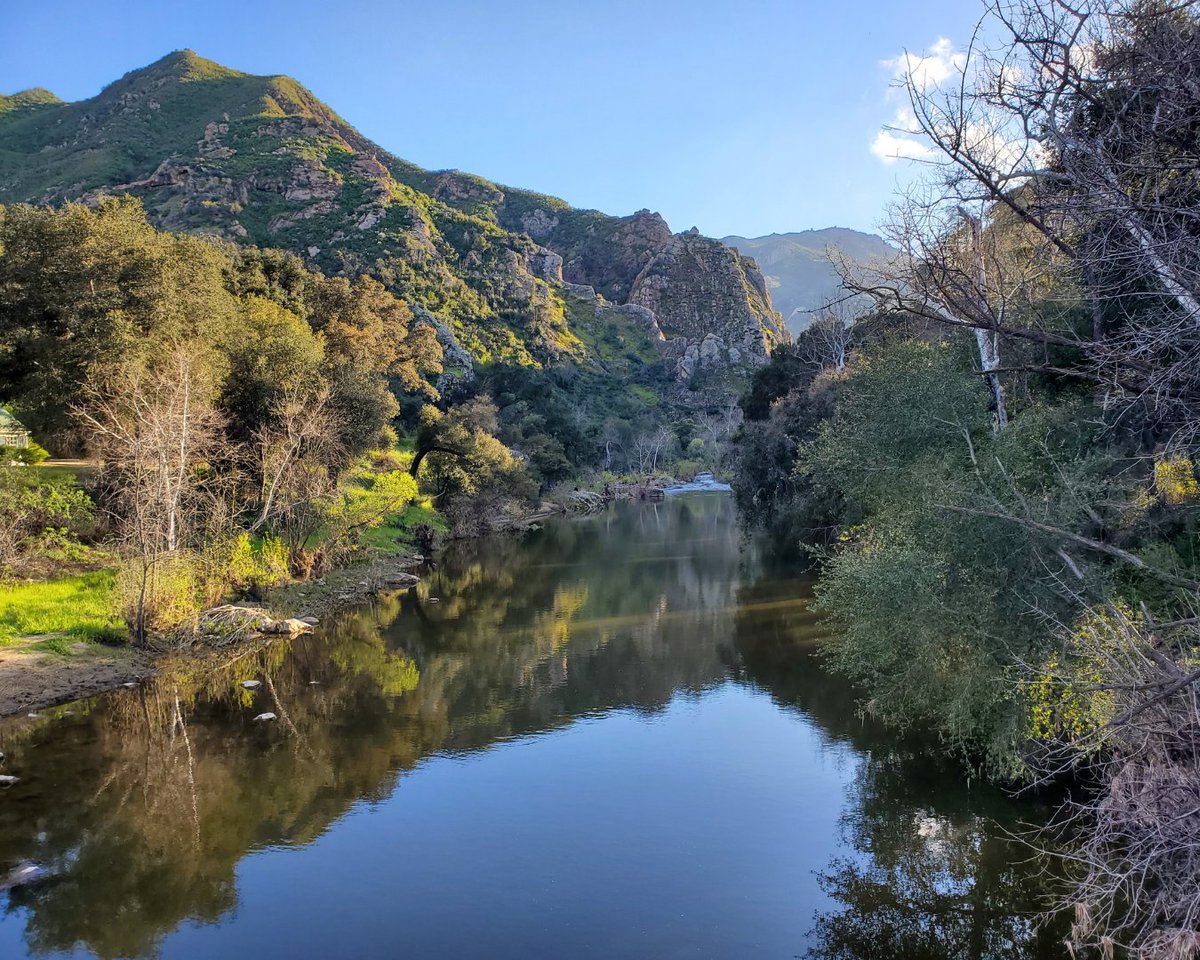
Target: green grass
(57,475)
(644,394)
(395,534)
(82,607)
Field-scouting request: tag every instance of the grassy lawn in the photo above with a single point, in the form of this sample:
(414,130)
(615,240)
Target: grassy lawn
(82,607)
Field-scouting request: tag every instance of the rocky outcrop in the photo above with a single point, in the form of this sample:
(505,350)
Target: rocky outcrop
(610,252)
(547,265)
(539,224)
(458,366)
(711,304)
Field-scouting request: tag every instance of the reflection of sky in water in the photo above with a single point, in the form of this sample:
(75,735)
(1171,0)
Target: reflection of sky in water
(610,739)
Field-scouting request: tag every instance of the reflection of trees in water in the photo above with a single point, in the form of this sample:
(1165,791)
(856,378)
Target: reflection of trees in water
(144,802)
(933,870)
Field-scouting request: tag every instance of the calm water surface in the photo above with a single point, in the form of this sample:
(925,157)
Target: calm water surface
(609,739)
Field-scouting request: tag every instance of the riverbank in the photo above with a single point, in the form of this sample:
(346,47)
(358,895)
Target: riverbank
(43,671)
(37,672)
(33,677)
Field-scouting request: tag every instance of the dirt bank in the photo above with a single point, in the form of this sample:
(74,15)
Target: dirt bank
(33,678)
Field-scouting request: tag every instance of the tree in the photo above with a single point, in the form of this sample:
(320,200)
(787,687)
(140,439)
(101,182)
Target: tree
(1056,228)
(83,290)
(653,447)
(155,428)
(294,446)
(470,473)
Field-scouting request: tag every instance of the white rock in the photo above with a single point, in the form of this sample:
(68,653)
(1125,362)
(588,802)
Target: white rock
(265,716)
(251,684)
(8,781)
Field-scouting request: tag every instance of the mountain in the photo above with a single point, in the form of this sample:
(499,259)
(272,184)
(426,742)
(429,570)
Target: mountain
(798,270)
(505,275)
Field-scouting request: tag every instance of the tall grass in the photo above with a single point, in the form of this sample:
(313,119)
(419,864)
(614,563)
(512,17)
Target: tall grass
(83,607)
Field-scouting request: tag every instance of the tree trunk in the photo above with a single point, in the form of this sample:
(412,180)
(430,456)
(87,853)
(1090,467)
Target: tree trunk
(987,340)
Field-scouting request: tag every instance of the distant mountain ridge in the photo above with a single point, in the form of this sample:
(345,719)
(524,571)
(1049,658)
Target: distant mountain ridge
(507,275)
(797,268)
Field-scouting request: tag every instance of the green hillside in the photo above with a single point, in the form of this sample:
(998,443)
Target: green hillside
(504,273)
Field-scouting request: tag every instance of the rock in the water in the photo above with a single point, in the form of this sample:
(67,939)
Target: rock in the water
(7,781)
(251,684)
(265,716)
(291,626)
(311,621)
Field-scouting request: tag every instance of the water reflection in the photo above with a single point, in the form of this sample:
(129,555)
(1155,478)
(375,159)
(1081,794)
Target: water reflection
(933,867)
(143,804)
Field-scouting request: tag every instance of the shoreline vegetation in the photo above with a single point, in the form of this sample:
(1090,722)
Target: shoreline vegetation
(61,638)
(995,461)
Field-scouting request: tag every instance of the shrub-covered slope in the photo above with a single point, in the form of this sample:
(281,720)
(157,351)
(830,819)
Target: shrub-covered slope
(505,274)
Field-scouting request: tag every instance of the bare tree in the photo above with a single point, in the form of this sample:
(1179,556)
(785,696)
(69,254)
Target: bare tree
(1074,140)
(651,448)
(611,441)
(154,427)
(826,341)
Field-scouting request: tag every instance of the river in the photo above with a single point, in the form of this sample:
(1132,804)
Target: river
(609,738)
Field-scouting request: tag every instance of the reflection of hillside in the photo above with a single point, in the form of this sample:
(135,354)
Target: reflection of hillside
(143,803)
(932,869)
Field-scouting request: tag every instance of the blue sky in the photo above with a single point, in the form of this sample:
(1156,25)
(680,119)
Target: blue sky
(748,117)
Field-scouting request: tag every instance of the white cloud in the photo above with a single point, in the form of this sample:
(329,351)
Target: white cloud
(931,69)
(899,138)
(889,147)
